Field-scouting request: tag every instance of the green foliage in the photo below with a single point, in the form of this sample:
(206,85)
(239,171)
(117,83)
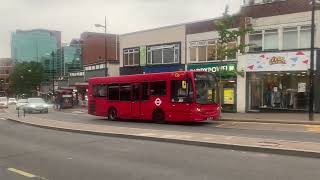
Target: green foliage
(228,36)
(26,77)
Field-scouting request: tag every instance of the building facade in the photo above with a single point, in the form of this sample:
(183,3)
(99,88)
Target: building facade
(155,50)
(6,67)
(38,45)
(72,57)
(277,64)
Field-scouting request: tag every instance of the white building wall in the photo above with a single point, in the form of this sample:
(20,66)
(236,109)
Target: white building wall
(152,37)
(241,84)
(113,69)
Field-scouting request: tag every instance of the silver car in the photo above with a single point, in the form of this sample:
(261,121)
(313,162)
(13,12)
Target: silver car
(36,105)
(21,103)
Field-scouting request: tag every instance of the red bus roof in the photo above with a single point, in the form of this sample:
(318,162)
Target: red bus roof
(142,77)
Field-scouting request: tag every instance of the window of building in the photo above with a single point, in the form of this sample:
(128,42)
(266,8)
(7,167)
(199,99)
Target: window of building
(163,54)
(255,41)
(158,88)
(99,90)
(212,51)
(97,66)
(131,57)
(305,37)
(271,39)
(113,92)
(125,92)
(102,66)
(193,54)
(290,38)
(181,91)
(202,53)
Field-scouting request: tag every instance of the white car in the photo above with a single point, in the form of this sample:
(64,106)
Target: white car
(21,103)
(36,105)
(3,102)
(12,101)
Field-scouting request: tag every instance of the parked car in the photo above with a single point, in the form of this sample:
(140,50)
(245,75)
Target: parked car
(3,102)
(12,101)
(36,105)
(21,103)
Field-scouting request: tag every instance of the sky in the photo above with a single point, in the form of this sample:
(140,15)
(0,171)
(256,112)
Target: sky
(72,17)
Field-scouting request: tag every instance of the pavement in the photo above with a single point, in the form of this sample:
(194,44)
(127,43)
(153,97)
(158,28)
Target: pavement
(303,148)
(284,118)
(31,153)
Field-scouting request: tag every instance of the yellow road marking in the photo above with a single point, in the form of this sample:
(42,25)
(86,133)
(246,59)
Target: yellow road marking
(313,128)
(22,173)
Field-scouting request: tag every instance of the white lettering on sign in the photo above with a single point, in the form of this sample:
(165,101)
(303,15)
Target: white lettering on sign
(158,102)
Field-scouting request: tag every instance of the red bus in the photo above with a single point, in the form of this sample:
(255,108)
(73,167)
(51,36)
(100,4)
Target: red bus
(183,96)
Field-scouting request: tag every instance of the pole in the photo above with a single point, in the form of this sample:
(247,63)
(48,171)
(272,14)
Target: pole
(105,46)
(311,75)
(52,72)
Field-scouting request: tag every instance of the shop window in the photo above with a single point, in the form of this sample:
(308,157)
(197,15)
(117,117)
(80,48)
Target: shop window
(181,91)
(113,92)
(290,38)
(99,90)
(278,91)
(271,39)
(125,92)
(158,88)
(305,37)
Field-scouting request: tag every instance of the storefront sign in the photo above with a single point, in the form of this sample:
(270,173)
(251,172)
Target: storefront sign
(284,61)
(212,67)
(228,96)
(302,87)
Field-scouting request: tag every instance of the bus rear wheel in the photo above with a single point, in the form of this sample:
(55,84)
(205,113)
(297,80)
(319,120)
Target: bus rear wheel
(158,116)
(112,115)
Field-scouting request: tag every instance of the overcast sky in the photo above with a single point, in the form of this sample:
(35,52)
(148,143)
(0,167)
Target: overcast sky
(72,17)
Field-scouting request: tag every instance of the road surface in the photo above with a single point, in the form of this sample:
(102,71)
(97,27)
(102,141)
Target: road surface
(55,155)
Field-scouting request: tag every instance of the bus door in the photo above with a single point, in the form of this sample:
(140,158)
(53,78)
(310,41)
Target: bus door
(136,100)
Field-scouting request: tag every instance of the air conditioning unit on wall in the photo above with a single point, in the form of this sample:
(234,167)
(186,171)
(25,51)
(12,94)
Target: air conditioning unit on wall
(248,21)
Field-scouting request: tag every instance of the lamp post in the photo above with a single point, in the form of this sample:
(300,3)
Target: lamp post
(53,70)
(105,43)
(311,75)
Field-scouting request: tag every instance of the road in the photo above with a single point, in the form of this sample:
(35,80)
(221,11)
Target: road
(256,130)
(55,155)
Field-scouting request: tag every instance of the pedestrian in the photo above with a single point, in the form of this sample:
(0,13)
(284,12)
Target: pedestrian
(60,101)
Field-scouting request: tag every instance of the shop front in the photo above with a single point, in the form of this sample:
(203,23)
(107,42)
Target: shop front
(227,88)
(278,81)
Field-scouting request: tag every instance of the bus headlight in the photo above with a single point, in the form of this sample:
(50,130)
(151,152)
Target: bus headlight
(198,110)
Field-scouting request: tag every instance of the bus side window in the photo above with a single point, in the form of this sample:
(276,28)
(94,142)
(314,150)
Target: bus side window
(113,92)
(136,89)
(158,88)
(145,91)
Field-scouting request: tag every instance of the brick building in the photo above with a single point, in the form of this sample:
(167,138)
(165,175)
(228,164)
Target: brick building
(6,67)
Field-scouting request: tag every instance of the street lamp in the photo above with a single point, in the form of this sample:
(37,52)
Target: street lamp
(105,43)
(311,75)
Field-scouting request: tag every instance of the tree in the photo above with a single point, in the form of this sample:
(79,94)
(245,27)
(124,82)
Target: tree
(229,34)
(26,77)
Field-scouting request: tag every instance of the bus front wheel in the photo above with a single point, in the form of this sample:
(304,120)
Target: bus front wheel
(158,116)
(112,115)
